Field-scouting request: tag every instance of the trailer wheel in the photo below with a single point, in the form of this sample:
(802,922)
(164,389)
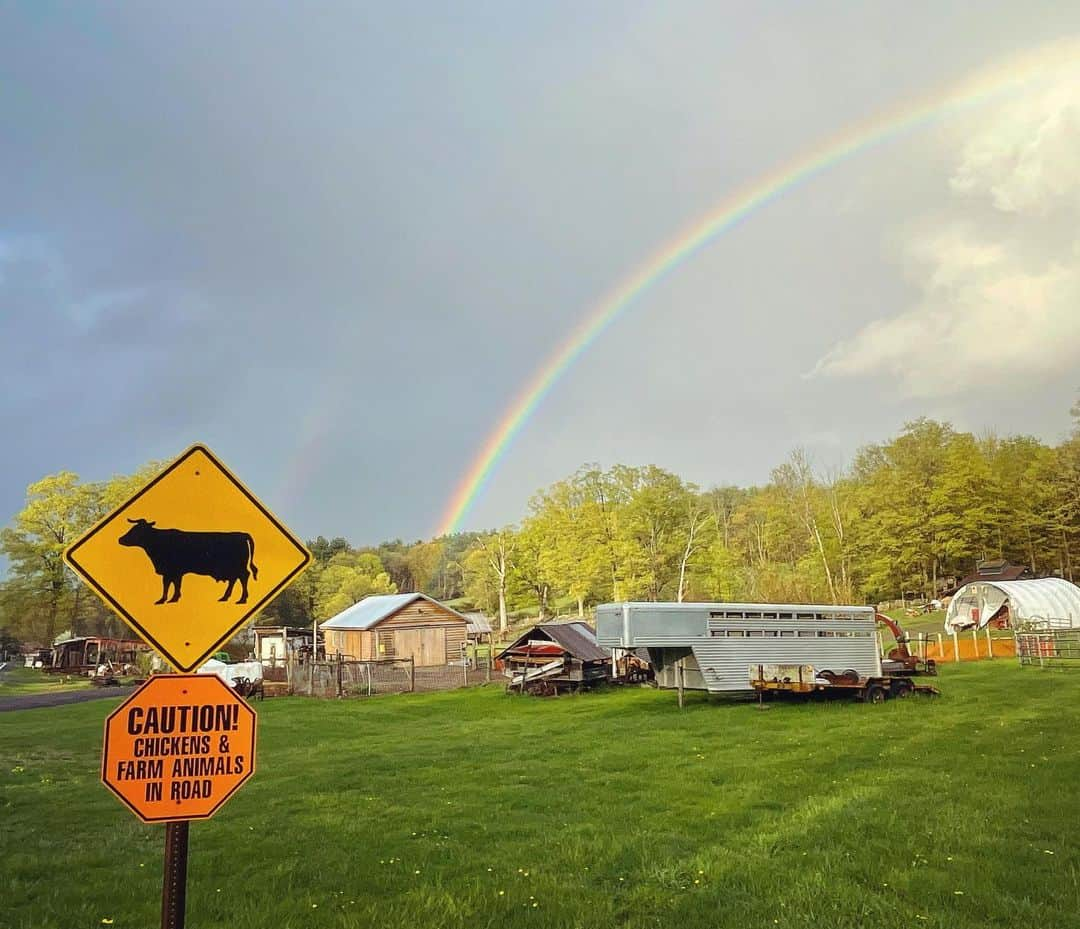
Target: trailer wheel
(851,676)
(876,695)
(903,689)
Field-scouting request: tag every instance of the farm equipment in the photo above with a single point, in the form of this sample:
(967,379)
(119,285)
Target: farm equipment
(554,657)
(900,661)
(805,680)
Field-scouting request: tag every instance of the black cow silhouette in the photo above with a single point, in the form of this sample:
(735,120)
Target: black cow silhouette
(224,556)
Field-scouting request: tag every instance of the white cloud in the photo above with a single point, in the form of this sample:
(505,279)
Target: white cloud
(999,268)
(1024,159)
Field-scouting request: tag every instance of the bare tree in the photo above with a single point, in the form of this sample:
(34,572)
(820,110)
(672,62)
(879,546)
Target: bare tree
(497,548)
(696,519)
(795,479)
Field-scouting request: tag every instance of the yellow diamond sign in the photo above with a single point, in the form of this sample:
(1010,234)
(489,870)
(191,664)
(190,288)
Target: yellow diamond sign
(189,559)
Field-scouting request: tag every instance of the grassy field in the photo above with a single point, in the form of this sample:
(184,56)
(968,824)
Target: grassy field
(931,623)
(477,809)
(16,682)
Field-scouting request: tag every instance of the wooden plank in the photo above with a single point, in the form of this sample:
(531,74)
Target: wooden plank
(422,613)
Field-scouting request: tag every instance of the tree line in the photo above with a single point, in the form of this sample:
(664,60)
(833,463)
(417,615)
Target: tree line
(903,517)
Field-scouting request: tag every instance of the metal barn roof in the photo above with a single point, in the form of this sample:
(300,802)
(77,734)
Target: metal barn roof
(1047,601)
(575,638)
(479,624)
(372,610)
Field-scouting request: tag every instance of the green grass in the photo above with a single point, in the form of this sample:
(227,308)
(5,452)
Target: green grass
(16,682)
(931,623)
(477,809)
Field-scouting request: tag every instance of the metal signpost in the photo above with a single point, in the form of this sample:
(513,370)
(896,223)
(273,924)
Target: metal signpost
(186,562)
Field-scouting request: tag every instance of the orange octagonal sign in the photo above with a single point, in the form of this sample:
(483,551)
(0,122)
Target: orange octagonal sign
(189,559)
(179,747)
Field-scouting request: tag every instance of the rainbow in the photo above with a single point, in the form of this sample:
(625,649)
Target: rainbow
(738,205)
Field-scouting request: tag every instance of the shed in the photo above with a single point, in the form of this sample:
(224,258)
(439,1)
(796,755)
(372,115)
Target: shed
(479,627)
(397,626)
(85,653)
(274,644)
(1049,602)
(556,656)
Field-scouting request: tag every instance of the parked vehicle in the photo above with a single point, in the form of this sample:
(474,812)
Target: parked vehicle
(708,646)
(805,680)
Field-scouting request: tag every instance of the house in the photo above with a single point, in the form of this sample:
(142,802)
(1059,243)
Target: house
(555,656)
(990,572)
(397,626)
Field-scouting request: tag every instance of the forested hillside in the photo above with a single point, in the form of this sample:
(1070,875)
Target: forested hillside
(904,515)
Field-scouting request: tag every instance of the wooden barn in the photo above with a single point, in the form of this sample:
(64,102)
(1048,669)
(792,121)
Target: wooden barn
(397,626)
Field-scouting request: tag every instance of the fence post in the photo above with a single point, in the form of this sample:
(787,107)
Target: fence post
(311,676)
(989,644)
(679,679)
(412,674)
(975,640)
(339,657)
(955,646)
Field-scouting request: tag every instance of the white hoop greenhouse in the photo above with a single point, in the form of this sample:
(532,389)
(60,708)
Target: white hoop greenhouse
(1048,602)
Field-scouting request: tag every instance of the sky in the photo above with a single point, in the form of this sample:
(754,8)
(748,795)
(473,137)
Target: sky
(335,242)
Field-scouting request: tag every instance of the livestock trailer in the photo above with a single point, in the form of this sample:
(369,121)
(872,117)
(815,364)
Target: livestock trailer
(712,645)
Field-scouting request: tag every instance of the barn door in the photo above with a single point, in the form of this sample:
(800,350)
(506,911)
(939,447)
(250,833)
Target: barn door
(433,646)
(427,647)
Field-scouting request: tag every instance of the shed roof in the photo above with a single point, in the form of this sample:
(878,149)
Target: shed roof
(1050,601)
(576,638)
(373,610)
(479,624)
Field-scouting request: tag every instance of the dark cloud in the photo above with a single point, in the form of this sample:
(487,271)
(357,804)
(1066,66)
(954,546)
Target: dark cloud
(334,242)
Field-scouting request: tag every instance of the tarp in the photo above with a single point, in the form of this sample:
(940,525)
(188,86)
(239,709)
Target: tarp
(1049,602)
(231,673)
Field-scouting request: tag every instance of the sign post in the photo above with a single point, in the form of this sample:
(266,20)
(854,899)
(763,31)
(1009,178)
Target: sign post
(174,880)
(174,751)
(186,562)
